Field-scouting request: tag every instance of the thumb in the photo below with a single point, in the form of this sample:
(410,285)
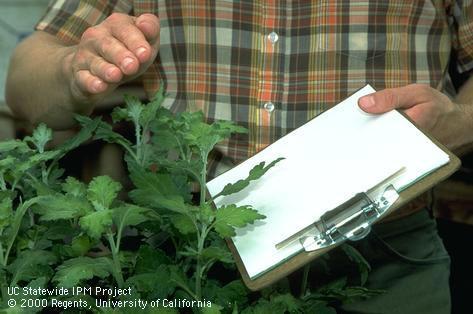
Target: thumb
(389,99)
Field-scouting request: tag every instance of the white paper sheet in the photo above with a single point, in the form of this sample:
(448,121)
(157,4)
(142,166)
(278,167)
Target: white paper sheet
(328,160)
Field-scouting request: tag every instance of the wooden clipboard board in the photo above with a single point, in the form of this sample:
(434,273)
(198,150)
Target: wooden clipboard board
(302,258)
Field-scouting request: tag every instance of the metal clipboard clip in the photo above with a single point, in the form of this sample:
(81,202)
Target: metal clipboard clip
(351,220)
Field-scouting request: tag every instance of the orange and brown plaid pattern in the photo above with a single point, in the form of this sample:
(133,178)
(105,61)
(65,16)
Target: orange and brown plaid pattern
(272,65)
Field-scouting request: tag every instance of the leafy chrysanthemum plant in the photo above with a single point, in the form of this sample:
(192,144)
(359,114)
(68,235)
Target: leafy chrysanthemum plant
(67,245)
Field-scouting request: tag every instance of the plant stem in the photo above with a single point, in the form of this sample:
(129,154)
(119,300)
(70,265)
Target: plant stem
(138,142)
(198,270)
(203,177)
(305,277)
(186,289)
(20,212)
(117,269)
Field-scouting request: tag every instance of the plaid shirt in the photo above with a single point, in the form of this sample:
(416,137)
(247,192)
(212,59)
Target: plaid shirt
(273,65)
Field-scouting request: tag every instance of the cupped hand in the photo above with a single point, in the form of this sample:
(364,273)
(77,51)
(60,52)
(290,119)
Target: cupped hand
(431,110)
(117,50)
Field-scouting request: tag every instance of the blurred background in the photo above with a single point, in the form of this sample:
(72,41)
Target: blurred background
(453,199)
(17,19)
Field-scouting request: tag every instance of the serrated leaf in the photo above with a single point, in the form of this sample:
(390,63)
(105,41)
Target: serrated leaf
(76,270)
(157,190)
(105,132)
(8,146)
(44,156)
(57,231)
(156,284)
(6,212)
(150,111)
(234,292)
(95,224)
(119,114)
(148,259)
(129,215)
(29,265)
(257,172)
(74,187)
(85,133)
(134,107)
(58,206)
(41,136)
(183,223)
(7,162)
(286,301)
(230,217)
(102,191)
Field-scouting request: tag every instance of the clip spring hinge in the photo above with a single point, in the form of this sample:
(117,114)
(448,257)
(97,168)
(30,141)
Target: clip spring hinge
(350,221)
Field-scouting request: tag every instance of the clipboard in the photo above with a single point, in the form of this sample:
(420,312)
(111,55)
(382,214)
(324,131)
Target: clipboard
(350,219)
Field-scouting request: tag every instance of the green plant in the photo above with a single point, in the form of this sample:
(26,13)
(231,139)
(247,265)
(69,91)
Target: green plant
(56,231)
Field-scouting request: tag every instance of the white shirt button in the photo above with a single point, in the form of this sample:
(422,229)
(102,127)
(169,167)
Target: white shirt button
(269,106)
(273,37)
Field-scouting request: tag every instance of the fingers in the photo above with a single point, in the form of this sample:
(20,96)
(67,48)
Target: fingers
(149,25)
(395,98)
(118,49)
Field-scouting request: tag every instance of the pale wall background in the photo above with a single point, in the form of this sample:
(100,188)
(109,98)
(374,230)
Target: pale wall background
(17,19)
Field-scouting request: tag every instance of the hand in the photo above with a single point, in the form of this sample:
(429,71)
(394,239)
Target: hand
(119,49)
(431,110)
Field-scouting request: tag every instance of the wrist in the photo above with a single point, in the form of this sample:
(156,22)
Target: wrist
(463,115)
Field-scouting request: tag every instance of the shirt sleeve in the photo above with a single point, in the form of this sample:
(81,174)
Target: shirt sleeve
(68,19)
(461,14)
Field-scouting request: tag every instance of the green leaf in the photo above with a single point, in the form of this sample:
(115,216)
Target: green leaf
(130,215)
(81,245)
(57,231)
(230,217)
(41,136)
(150,111)
(217,253)
(105,132)
(157,190)
(287,301)
(206,213)
(119,114)
(134,107)
(156,284)
(149,259)
(183,223)
(214,309)
(44,156)
(102,191)
(74,271)
(58,206)
(86,132)
(74,187)
(363,266)
(8,146)
(97,223)
(6,163)
(234,292)
(30,264)
(257,172)
(6,213)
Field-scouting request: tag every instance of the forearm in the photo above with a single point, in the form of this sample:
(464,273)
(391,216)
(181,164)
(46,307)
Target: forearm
(38,82)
